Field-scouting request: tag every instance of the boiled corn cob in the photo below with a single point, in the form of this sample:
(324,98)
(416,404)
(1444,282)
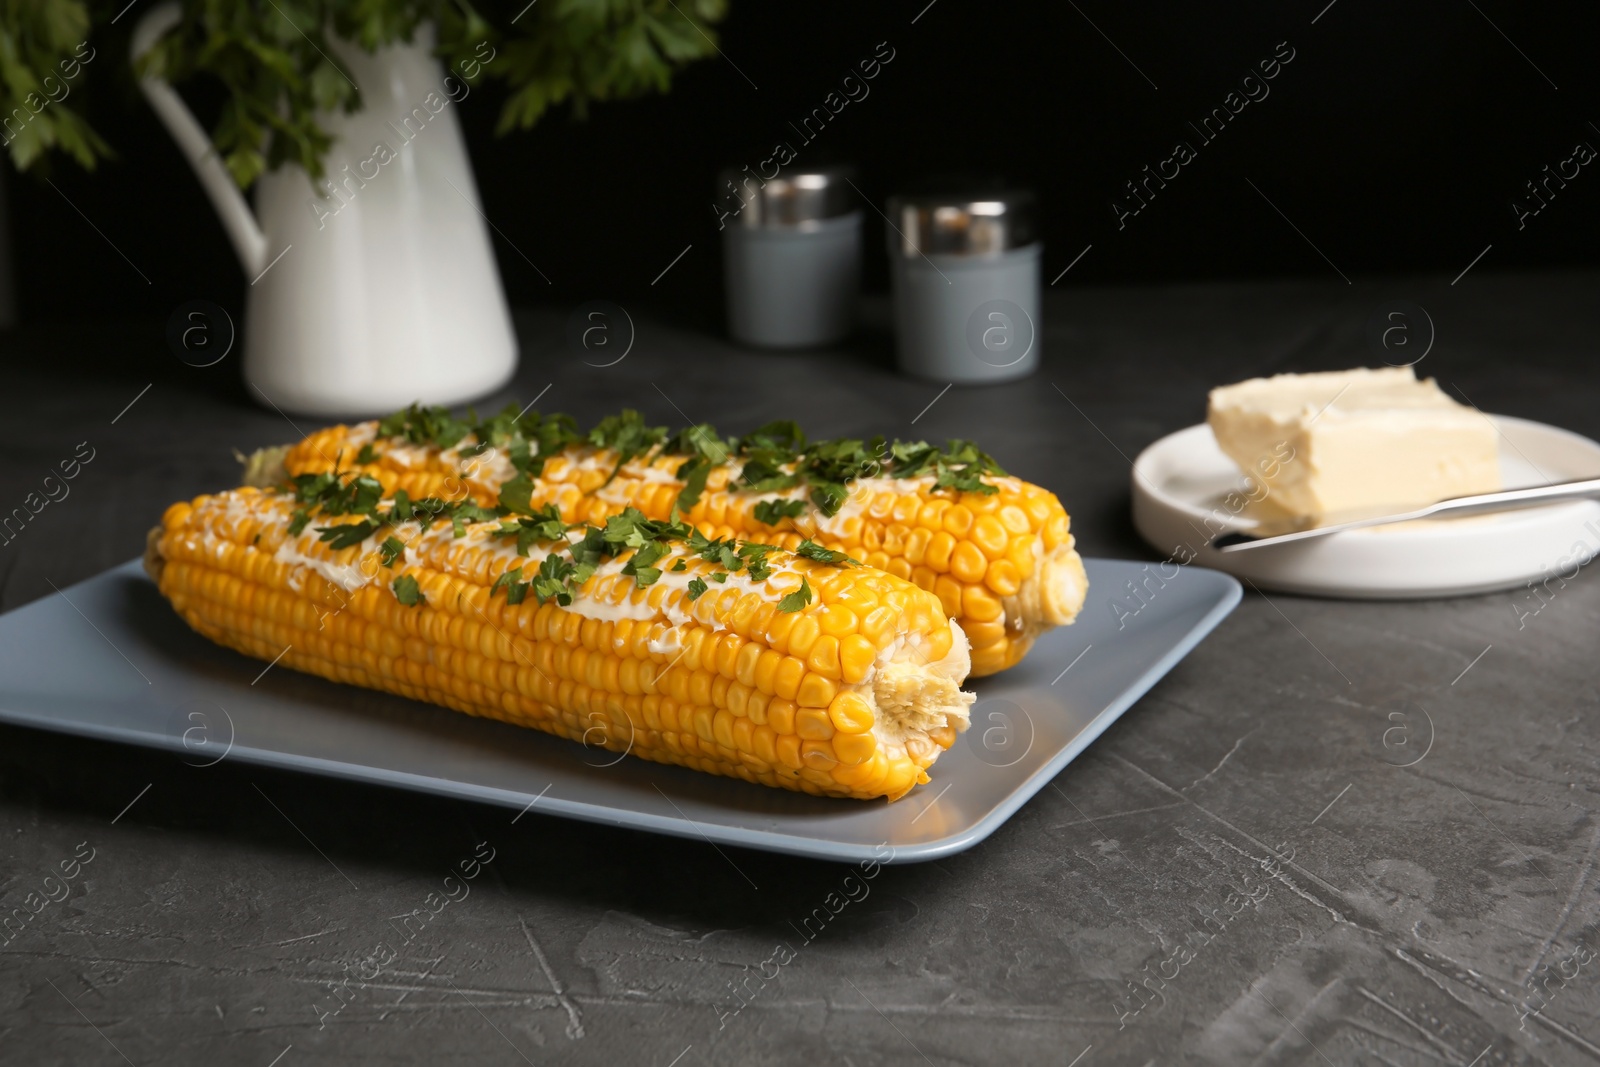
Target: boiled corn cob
(998,552)
(793,672)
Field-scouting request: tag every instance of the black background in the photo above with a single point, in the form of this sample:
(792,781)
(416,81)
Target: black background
(1395,140)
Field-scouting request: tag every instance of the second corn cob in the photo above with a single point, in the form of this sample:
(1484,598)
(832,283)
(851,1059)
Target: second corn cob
(997,551)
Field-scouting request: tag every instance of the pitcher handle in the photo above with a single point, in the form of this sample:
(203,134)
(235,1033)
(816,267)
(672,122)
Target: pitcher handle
(243,230)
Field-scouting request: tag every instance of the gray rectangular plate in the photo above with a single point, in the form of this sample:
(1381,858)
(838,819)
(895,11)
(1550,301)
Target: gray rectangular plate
(110,659)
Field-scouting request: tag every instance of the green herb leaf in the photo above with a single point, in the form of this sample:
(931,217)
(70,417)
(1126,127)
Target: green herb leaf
(796,600)
(773,512)
(425,426)
(391,550)
(829,497)
(511,582)
(516,495)
(346,534)
(720,576)
(407,591)
(809,549)
(366,455)
(696,589)
(693,475)
(297,524)
(761,474)
(627,434)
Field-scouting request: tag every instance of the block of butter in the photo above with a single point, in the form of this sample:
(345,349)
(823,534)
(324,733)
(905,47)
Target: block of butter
(1362,440)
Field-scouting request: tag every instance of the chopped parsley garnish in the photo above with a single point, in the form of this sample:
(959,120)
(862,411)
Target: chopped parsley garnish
(366,455)
(511,581)
(755,556)
(697,588)
(692,473)
(407,591)
(557,578)
(762,474)
(811,550)
(771,458)
(425,426)
(516,495)
(797,599)
(773,512)
(627,435)
(346,534)
(570,562)
(539,526)
(391,549)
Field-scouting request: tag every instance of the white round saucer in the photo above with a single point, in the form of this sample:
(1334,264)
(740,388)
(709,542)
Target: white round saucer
(1182,484)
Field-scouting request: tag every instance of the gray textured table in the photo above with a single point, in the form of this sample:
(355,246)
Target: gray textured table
(1235,873)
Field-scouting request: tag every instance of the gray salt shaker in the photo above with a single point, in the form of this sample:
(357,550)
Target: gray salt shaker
(965,274)
(791,256)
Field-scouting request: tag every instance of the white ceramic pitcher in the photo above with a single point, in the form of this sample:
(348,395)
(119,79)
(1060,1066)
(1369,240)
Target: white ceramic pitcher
(362,302)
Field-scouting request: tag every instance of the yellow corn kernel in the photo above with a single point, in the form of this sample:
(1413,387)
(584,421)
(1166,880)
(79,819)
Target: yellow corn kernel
(1002,578)
(968,562)
(940,547)
(851,714)
(1014,519)
(902,776)
(985,634)
(869,774)
(816,691)
(837,620)
(988,660)
(788,748)
(727,661)
(766,672)
(786,682)
(979,605)
(780,715)
(856,656)
(745,666)
(917,544)
(1021,553)
(778,630)
(878,625)
(824,658)
(854,749)
(803,635)
(813,724)
(990,535)
(1055,531)
(819,760)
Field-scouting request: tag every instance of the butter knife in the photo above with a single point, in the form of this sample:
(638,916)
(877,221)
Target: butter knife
(1300,529)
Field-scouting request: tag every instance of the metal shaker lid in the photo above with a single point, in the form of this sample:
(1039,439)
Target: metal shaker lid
(963,223)
(792,198)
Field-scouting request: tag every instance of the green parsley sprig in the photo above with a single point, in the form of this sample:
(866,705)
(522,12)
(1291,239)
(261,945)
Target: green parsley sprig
(775,457)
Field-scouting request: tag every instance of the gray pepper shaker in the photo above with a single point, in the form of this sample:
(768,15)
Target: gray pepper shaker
(965,274)
(791,255)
